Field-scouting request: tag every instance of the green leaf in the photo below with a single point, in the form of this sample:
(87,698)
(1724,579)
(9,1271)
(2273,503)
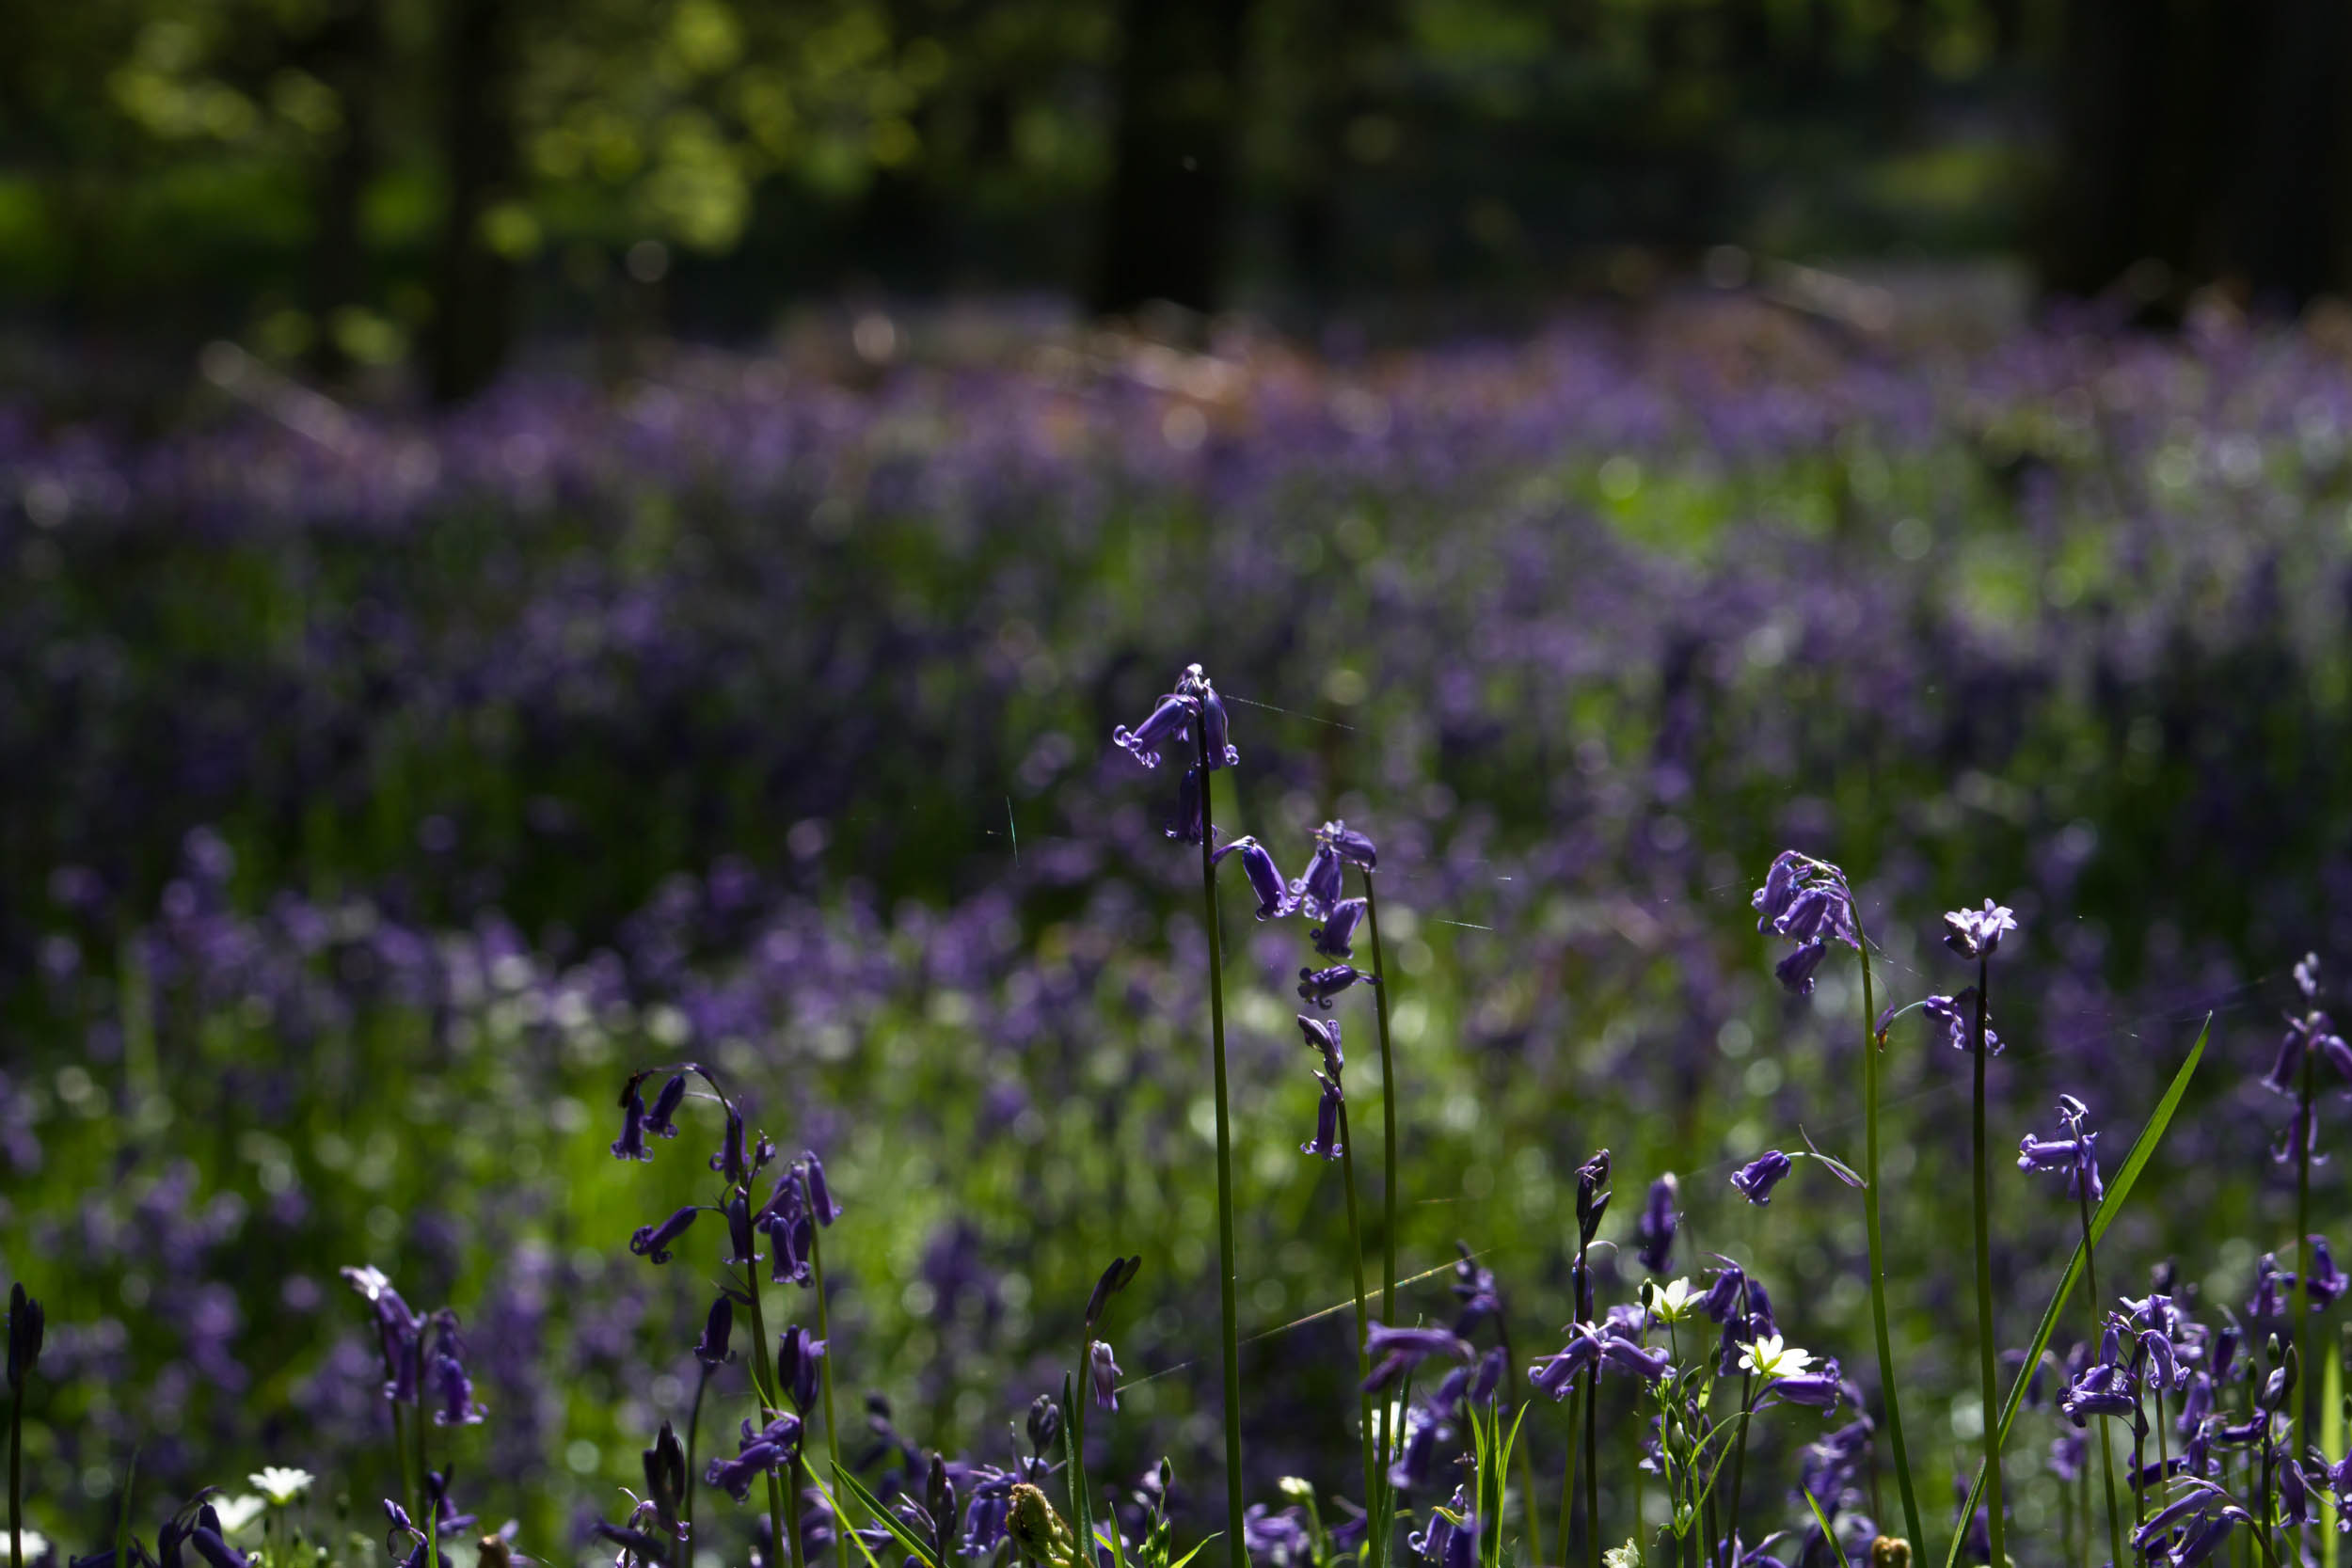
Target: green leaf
(918,1547)
(1838,1168)
(2120,1188)
(1828,1535)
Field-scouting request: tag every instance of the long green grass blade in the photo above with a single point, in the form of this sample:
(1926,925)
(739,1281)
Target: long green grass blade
(2120,1188)
(916,1546)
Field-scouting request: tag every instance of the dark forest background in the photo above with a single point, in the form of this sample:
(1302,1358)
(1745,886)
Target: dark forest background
(350,185)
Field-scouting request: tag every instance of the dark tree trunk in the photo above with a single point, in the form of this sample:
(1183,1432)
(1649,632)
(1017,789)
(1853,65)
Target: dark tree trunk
(473,322)
(349,55)
(1169,211)
(2212,139)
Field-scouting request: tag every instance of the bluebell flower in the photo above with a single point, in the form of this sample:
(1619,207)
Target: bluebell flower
(2067,1455)
(1112,1280)
(1325,1144)
(1266,877)
(1435,1539)
(2272,1286)
(1474,1288)
(449,1375)
(662,1121)
(1170,719)
(1317,889)
(1319,985)
(1628,1356)
(1978,933)
(1336,937)
(630,1144)
(790,1235)
(1187,826)
(1322,1035)
(653,1240)
(741,1253)
(762,1451)
(1809,902)
(1411,1468)
(1398,1351)
(821,1203)
(1214,730)
(1958,1014)
(798,1352)
(1727,1294)
(1280,1539)
(1491,1367)
(1445,1403)
(1103,1372)
(2327,1282)
(2300,1139)
(2076,1154)
(2104,1389)
(1591,1202)
(711,1349)
(1821,1391)
(731,1160)
(1350,845)
(1654,1232)
(1553,1374)
(1758,1177)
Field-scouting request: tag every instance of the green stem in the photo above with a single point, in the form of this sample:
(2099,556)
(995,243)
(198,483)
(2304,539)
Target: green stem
(792,1501)
(694,1426)
(2301,1301)
(2106,1443)
(824,1374)
(1739,1451)
(1236,1552)
(1074,1394)
(1567,1480)
(1877,1261)
(399,1450)
(429,1513)
(16,1476)
(764,1389)
(1363,1329)
(1987,1352)
(1592,1468)
(1387,1109)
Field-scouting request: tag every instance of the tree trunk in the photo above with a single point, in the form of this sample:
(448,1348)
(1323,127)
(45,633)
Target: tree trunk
(349,55)
(473,322)
(1170,210)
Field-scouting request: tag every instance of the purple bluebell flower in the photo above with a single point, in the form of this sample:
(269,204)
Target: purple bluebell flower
(1186,826)
(663,1120)
(1325,1144)
(1317,889)
(740,1251)
(1553,1374)
(731,1162)
(2299,1139)
(2104,1389)
(1322,1035)
(1281,1539)
(630,1144)
(2076,1154)
(449,1375)
(1978,933)
(1104,1374)
(1266,877)
(1727,1294)
(762,1451)
(1474,1288)
(1958,1014)
(1350,845)
(1398,1351)
(2327,1281)
(1591,1202)
(1795,971)
(1319,985)
(821,1203)
(2067,1454)
(1170,719)
(1213,727)
(1627,1355)
(2272,1286)
(790,1235)
(798,1352)
(1336,937)
(1809,902)
(1491,1367)
(1409,1470)
(711,1349)
(1758,1177)
(1654,1232)
(1446,1402)
(27,1324)
(1434,1542)
(1821,1391)
(1112,1280)
(653,1240)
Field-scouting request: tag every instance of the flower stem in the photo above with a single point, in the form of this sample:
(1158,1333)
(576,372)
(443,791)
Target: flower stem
(824,1373)
(693,1426)
(429,1512)
(1236,1552)
(764,1389)
(2302,1304)
(2106,1447)
(1986,1351)
(1567,1480)
(1591,1466)
(16,1477)
(1740,1450)
(1877,1261)
(1363,1358)
(1388,1110)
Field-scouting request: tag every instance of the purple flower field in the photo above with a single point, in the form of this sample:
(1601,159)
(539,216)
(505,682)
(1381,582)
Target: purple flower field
(673,920)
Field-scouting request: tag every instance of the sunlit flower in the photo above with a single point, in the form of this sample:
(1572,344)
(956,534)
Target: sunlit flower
(1767,1356)
(281,1485)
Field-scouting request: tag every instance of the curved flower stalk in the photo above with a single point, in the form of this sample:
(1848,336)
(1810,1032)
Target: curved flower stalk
(417,1370)
(1810,903)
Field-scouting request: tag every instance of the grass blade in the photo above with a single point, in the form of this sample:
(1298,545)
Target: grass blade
(2120,1188)
(916,1546)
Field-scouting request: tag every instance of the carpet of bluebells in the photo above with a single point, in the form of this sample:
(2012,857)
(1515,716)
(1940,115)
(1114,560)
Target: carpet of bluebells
(401,819)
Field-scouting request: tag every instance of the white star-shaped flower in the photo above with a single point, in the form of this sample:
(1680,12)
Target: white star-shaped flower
(1768,1357)
(280,1483)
